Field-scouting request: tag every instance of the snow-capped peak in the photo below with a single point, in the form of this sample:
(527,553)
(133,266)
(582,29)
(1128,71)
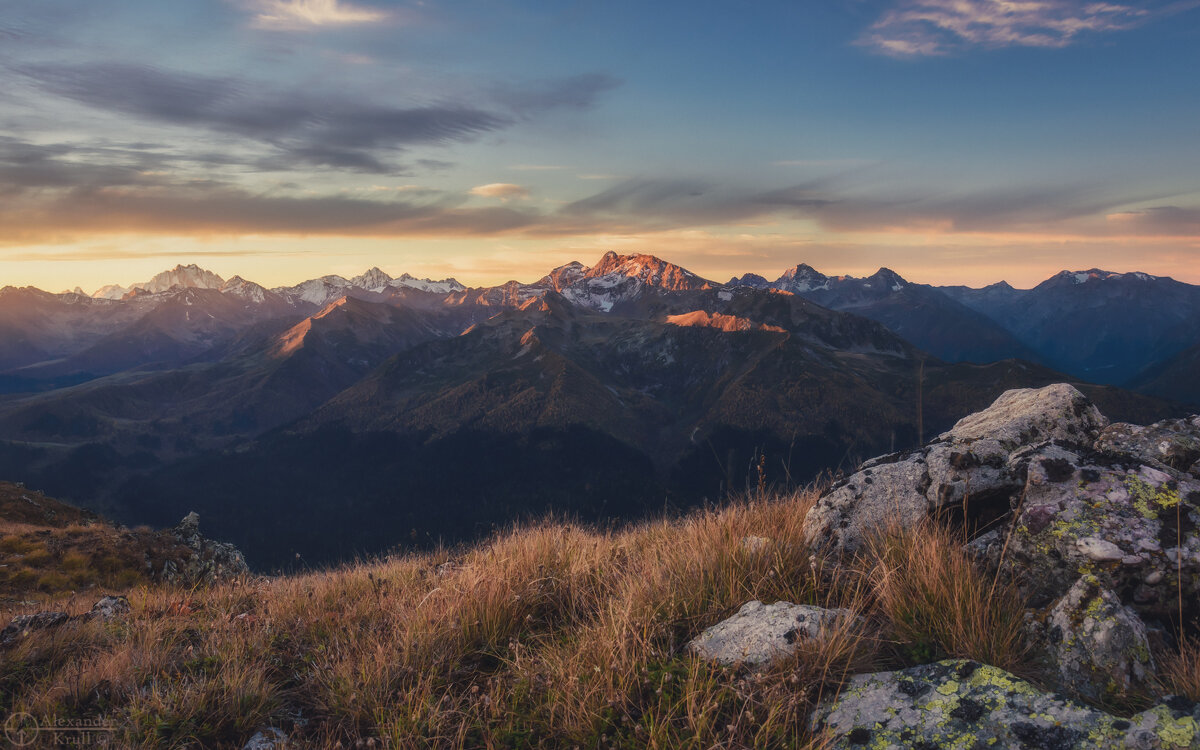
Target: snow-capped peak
(243,289)
(1096,274)
(111,291)
(374,280)
(647,269)
(190,276)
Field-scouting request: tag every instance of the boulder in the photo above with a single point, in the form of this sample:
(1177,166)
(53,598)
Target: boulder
(969,469)
(964,704)
(22,625)
(1174,443)
(1113,517)
(1099,645)
(760,633)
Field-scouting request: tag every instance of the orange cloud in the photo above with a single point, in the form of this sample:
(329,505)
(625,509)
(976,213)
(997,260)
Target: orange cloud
(502,190)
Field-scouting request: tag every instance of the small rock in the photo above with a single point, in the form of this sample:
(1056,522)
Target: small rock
(1098,549)
(267,739)
(759,632)
(1100,646)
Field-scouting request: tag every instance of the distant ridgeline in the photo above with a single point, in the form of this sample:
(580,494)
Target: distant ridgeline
(343,416)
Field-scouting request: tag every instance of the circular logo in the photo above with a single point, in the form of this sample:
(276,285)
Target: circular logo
(21,729)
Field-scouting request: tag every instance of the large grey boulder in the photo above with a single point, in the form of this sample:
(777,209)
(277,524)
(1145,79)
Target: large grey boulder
(969,467)
(964,704)
(1099,645)
(1172,442)
(760,633)
(1116,518)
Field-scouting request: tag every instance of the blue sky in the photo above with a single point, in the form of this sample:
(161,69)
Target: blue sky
(952,140)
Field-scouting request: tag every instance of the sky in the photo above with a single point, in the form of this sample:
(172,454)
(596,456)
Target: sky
(954,141)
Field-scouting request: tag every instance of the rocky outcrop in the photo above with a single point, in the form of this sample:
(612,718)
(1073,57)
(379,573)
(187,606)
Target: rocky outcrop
(201,560)
(1100,524)
(760,633)
(1099,645)
(963,704)
(969,469)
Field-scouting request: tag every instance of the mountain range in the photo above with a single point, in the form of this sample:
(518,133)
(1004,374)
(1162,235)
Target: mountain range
(341,415)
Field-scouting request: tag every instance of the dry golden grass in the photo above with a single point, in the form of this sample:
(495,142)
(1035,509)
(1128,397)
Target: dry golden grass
(1179,669)
(548,636)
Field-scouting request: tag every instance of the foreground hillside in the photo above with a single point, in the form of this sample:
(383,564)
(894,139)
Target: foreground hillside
(554,635)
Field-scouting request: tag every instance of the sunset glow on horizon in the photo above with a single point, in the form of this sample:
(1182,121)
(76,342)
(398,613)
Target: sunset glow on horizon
(959,142)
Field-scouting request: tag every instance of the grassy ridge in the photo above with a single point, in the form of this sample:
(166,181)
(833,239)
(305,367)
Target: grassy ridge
(547,636)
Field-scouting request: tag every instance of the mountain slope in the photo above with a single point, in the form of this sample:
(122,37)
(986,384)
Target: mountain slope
(1102,326)
(923,315)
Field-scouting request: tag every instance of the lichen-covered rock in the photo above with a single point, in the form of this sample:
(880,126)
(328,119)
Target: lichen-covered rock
(1030,415)
(270,738)
(1172,442)
(204,560)
(110,607)
(1119,519)
(760,633)
(22,625)
(967,705)
(970,466)
(1099,645)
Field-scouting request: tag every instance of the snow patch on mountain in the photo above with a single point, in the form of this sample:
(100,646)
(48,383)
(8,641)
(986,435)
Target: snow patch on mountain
(443,286)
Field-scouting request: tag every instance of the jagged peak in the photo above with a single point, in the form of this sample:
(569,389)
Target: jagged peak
(888,278)
(802,271)
(563,276)
(750,280)
(649,269)
(373,279)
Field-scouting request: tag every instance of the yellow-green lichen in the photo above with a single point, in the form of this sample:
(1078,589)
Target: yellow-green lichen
(1173,732)
(1148,500)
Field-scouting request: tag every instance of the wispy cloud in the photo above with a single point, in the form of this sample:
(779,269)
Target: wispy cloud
(1159,220)
(502,190)
(338,129)
(307,15)
(916,28)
